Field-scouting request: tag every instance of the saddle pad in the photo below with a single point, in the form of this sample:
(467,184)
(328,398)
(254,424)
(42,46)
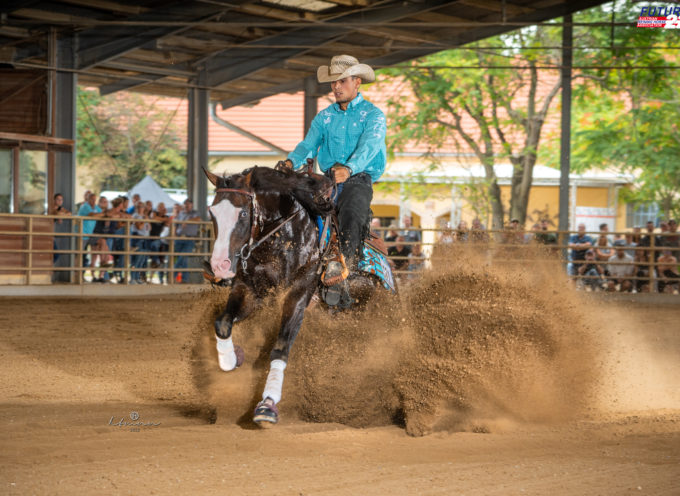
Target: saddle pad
(374,262)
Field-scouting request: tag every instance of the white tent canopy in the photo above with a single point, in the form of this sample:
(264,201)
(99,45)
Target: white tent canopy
(148,189)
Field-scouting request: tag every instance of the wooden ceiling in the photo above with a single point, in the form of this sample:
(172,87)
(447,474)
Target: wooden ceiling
(243,51)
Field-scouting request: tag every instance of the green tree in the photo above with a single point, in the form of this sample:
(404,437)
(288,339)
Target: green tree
(626,106)
(497,111)
(123,137)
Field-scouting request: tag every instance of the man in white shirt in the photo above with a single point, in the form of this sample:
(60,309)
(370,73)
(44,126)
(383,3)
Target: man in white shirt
(621,268)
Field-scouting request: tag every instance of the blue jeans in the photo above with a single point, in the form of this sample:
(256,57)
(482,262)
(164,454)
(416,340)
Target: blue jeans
(138,261)
(183,246)
(158,247)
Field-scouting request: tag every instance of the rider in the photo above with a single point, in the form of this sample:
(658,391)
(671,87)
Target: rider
(348,139)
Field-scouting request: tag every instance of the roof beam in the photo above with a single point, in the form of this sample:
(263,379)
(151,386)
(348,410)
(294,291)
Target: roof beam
(235,63)
(128,83)
(9,6)
(102,44)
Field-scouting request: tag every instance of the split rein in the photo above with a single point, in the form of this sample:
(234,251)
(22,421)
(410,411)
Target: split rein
(248,248)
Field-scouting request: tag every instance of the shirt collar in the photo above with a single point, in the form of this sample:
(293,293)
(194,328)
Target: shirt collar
(356,101)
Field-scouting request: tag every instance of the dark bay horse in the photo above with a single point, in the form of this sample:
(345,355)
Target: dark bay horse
(266,236)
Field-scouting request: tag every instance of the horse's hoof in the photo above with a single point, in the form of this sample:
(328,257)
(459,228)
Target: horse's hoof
(266,414)
(240,355)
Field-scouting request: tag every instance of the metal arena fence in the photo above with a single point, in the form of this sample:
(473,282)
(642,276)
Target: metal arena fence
(44,249)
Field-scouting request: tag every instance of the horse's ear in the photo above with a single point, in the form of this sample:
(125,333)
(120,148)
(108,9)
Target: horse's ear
(213,178)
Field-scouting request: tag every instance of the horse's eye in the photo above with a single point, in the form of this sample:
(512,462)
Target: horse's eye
(244,214)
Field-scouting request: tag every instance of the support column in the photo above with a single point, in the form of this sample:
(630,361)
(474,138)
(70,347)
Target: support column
(312,92)
(565,140)
(197,145)
(64,117)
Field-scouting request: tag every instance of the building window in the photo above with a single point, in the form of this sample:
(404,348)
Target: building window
(32,182)
(637,215)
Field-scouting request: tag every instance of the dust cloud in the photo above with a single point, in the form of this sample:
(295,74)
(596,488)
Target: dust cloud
(473,344)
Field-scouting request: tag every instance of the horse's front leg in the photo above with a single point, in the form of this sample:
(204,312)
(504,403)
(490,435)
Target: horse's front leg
(294,306)
(239,306)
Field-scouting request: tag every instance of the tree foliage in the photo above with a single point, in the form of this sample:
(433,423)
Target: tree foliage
(625,114)
(498,113)
(123,137)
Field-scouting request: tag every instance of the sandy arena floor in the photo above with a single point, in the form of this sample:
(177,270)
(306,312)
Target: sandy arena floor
(71,368)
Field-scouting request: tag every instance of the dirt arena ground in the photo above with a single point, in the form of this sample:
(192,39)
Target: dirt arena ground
(75,371)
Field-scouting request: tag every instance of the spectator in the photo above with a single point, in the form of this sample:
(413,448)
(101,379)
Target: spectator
(416,260)
(673,239)
(402,251)
(621,268)
(632,242)
(668,272)
(132,208)
(158,241)
(593,272)
(447,236)
(392,232)
(603,252)
(148,204)
(513,235)
(185,230)
(544,236)
(579,244)
(89,209)
(57,207)
(99,244)
(410,235)
(462,232)
(647,239)
(85,197)
(478,232)
(176,209)
(117,228)
(376,228)
(59,242)
(140,245)
(642,273)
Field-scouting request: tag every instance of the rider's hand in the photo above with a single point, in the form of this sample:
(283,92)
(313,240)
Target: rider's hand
(341,173)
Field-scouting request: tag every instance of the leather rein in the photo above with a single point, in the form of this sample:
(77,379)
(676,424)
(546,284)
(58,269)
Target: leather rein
(248,248)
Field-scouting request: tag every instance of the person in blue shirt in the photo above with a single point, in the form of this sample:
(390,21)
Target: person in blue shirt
(348,141)
(579,244)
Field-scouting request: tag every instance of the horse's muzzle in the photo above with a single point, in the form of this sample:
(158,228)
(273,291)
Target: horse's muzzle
(222,268)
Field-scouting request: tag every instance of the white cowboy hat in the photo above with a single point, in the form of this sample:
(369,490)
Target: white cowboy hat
(343,66)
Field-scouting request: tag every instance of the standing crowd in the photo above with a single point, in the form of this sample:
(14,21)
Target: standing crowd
(104,237)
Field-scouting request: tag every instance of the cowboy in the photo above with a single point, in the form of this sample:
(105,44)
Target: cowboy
(348,140)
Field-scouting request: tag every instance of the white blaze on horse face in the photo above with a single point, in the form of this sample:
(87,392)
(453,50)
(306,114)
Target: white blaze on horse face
(226,216)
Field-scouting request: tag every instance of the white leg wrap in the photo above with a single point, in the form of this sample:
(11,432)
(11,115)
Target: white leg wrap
(225,354)
(274,381)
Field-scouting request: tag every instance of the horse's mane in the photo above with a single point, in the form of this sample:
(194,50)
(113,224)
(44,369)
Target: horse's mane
(310,190)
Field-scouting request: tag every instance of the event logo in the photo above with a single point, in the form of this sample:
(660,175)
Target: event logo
(659,17)
(135,424)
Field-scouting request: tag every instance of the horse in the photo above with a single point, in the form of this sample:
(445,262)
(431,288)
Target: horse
(267,236)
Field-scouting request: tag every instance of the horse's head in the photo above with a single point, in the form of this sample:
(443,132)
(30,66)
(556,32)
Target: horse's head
(231,212)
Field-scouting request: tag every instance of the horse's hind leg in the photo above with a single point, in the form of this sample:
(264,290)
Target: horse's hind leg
(239,306)
(294,306)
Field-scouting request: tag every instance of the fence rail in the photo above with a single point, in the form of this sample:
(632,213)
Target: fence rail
(43,249)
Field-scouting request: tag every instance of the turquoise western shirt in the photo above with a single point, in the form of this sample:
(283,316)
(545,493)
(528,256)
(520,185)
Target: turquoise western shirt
(354,138)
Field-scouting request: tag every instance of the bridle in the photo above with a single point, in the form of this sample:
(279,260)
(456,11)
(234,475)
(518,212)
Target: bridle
(248,248)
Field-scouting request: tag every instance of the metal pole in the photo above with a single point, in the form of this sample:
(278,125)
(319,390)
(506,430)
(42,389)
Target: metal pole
(197,152)
(565,141)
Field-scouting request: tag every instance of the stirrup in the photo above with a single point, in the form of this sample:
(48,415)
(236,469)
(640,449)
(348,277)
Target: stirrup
(336,272)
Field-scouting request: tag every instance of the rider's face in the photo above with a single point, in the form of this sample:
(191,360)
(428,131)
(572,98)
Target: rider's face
(345,90)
